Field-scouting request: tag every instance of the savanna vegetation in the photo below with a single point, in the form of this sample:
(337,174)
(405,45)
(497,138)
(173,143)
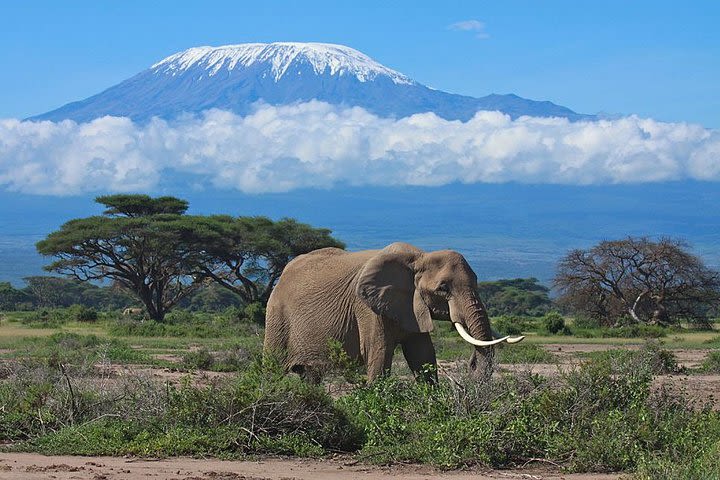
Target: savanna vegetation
(186,377)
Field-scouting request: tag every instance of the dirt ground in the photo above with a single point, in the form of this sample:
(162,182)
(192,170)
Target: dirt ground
(29,466)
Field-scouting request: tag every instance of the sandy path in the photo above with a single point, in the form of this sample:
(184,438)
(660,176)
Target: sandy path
(30,466)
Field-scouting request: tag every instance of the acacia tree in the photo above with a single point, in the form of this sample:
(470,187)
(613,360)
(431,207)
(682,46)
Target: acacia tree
(246,255)
(655,282)
(139,243)
(10,296)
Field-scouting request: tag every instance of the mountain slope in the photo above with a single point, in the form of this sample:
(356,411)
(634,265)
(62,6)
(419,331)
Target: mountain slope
(233,77)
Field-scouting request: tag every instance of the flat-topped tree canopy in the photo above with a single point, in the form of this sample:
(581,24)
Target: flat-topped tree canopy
(153,249)
(141,249)
(137,205)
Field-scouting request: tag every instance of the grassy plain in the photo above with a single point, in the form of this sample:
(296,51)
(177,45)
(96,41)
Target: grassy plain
(195,387)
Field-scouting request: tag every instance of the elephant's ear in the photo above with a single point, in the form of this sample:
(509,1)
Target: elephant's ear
(387,285)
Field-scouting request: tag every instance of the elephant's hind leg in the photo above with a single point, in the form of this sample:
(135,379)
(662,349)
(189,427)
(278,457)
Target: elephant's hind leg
(275,345)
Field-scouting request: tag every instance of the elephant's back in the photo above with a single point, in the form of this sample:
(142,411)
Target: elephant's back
(315,297)
(325,265)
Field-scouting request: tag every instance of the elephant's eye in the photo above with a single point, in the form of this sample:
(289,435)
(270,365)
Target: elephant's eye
(442,288)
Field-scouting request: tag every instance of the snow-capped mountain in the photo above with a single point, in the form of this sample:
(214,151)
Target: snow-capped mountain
(233,77)
(337,60)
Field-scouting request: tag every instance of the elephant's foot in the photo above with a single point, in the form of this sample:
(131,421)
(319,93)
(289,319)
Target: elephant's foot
(309,373)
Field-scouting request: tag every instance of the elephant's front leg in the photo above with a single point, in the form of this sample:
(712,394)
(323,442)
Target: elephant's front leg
(419,352)
(377,345)
(379,359)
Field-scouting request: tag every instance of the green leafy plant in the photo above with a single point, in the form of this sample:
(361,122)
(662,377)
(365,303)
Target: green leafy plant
(554,324)
(712,363)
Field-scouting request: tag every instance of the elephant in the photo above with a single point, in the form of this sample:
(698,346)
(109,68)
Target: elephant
(372,301)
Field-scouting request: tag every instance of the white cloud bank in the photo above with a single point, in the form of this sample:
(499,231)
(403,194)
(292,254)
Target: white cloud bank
(318,145)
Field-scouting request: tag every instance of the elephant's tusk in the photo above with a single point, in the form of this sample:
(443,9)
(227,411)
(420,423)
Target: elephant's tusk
(509,340)
(474,341)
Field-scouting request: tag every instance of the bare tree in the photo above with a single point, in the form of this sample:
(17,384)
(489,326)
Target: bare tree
(655,282)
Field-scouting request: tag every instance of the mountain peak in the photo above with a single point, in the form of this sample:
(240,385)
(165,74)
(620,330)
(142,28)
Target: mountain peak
(278,59)
(236,77)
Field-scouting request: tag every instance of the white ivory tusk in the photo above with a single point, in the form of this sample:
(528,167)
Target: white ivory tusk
(474,341)
(509,340)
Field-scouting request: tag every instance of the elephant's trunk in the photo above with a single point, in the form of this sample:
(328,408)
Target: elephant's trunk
(471,320)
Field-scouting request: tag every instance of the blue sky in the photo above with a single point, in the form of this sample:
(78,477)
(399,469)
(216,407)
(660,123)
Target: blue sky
(655,59)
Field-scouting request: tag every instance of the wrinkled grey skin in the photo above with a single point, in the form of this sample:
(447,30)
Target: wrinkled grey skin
(371,301)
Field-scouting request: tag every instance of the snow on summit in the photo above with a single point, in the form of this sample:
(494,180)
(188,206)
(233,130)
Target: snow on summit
(280,57)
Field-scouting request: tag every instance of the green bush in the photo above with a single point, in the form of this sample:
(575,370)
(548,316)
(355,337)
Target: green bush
(651,357)
(182,323)
(198,359)
(255,313)
(659,360)
(704,466)
(585,322)
(600,417)
(262,411)
(82,313)
(512,324)
(712,363)
(77,349)
(47,318)
(57,317)
(232,359)
(627,331)
(554,324)
(518,296)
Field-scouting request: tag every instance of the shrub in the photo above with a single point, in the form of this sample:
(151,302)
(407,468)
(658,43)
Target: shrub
(519,296)
(703,466)
(650,358)
(627,331)
(82,313)
(198,359)
(255,313)
(585,322)
(602,416)
(235,358)
(511,324)
(262,411)
(554,324)
(186,324)
(56,317)
(659,360)
(47,318)
(712,363)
